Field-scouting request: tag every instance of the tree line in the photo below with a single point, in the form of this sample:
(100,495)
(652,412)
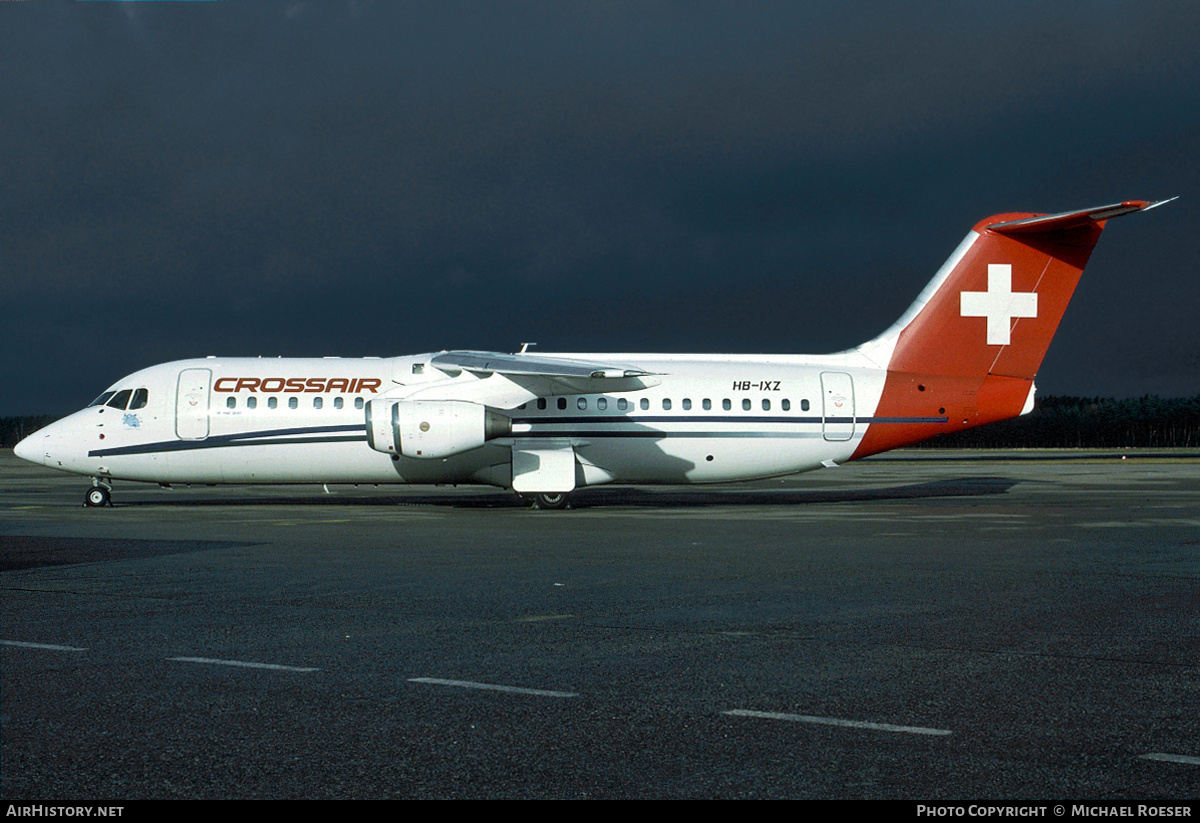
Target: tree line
(12,429)
(1055,423)
(1088,423)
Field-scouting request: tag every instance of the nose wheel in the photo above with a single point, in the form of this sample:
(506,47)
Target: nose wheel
(97,496)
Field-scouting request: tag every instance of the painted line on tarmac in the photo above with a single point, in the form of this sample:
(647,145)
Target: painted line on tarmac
(1171,758)
(833,721)
(244,664)
(48,646)
(467,684)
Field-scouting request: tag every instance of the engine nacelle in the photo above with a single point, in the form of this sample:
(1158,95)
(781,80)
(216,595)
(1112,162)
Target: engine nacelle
(432,428)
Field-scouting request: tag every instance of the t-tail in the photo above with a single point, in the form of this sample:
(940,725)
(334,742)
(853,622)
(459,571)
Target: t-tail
(967,351)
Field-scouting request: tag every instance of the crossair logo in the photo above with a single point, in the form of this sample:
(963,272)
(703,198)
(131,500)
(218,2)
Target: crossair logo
(311,385)
(999,304)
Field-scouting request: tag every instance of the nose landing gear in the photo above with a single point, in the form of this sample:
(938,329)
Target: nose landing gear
(100,494)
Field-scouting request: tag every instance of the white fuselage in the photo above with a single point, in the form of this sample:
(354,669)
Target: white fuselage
(260,420)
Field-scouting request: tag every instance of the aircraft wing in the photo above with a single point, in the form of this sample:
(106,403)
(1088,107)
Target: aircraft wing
(531,365)
(520,377)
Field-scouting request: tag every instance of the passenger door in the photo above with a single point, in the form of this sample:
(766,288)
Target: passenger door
(191,404)
(837,395)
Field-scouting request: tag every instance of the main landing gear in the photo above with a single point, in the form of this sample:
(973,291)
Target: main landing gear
(100,494)
(548,501)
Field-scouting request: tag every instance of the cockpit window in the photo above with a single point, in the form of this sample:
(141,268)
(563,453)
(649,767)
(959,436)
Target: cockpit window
(120,399)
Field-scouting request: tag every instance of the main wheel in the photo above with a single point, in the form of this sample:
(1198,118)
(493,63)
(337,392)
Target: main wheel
(96,496)
(556,500)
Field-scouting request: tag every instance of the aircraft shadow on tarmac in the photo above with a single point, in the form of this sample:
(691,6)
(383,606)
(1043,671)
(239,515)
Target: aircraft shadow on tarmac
(615,497)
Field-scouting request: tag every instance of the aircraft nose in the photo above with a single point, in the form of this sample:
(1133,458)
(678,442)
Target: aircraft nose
(31,448)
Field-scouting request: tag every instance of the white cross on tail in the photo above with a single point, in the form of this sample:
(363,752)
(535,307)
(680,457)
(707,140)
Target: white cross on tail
(998,304)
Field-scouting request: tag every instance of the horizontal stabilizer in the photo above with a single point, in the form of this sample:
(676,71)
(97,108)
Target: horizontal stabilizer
(1070,219)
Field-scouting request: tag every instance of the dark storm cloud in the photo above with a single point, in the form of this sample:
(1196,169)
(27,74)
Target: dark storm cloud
(305,179)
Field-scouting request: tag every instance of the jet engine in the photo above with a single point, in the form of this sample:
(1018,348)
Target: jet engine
(432,428)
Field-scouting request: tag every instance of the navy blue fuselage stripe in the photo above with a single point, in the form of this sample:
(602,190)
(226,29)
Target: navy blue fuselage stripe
(660,434)
(355,433)
(195,445)
(712,418)
(218,440)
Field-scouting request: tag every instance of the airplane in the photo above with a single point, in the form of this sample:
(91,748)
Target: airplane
(964,354)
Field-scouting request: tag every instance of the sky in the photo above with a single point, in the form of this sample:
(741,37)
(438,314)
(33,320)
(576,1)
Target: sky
(358,178)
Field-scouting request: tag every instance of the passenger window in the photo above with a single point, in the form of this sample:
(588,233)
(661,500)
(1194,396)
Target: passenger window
(666,404)
(120,400)
(622,404)
(687,404)
(786,405)
(804,405)
(358,402)
(726,404)
(707,404)
(645,404)
(562,403)
(338,402)
(293,403)
(318,402)
(602,404)
(272,402)
(231,402)
(766,404)
(140,397)
(541,403)
(582,403)
(252,402)
(746,404)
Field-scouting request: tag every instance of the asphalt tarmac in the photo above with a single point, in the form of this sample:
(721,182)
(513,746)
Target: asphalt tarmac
(928,626)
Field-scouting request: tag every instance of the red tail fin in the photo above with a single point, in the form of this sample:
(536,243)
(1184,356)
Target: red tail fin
(969,348)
